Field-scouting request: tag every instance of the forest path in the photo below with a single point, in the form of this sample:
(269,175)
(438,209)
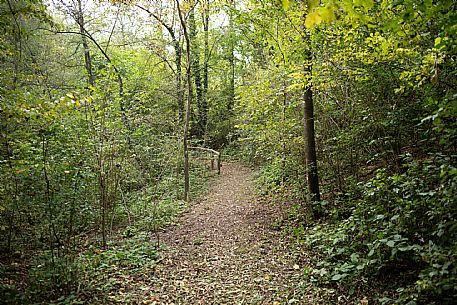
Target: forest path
(224,250)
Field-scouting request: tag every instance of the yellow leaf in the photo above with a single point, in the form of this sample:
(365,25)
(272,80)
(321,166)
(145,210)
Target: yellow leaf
(19,171)
(296,86)
(326,13)
(313,19)
(437,41)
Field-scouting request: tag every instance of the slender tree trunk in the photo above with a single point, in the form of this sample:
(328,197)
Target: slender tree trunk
(310,146)
(189,101)
(231,60)
(205,67)
(178,59)
(232,81)
(195,61)
(310,143)
(308,122)
(87,58)
(283,138)
(179,90)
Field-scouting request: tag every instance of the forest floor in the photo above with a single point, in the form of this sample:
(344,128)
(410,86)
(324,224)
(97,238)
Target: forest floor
(223,250)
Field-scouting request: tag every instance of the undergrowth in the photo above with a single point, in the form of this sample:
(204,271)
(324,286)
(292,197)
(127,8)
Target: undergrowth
(386,240)
(397,243)
(91,274)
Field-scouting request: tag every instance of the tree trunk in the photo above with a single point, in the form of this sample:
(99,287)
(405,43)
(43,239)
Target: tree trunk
(178,57)
(312,176)
(310,146)
(82,31)
(231,60)
(189,101)
(195,61)
(205,67)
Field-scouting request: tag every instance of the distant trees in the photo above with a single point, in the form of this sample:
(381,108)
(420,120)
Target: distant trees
(93,116)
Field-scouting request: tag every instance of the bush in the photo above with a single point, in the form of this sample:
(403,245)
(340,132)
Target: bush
(52,276)
(401,227)
(279,175)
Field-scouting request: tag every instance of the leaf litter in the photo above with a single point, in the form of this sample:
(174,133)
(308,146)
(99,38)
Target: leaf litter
(222,250)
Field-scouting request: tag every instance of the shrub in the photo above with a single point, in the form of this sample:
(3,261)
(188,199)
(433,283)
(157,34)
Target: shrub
(401,226)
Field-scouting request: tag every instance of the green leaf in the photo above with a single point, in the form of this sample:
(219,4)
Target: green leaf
(338,277)
(354,257)
(437,41)
(327,13)
(312,4)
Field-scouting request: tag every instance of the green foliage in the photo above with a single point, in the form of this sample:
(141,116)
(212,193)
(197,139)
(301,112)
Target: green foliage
(280,177)
(135,256)
(381,85)
(401,228)
(52,276)
(271,178)
(153,214)
(132,256)
(78,162)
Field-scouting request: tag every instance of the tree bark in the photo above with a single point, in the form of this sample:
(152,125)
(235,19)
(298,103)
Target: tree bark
(178,58)
(189,101)
(231,60)
(205,66)
(87,58)
(310,144)
(195,61)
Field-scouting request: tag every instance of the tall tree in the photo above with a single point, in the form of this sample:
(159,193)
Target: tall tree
(79,16)
(196,72)
(310,139)
(176,43)
(189,101)
(231,56)
(308,121)
(204,106)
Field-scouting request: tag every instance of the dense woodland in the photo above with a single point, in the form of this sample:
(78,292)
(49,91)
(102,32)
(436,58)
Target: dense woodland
(346,108)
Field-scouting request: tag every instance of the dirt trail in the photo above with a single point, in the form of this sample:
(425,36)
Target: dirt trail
(225,251)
